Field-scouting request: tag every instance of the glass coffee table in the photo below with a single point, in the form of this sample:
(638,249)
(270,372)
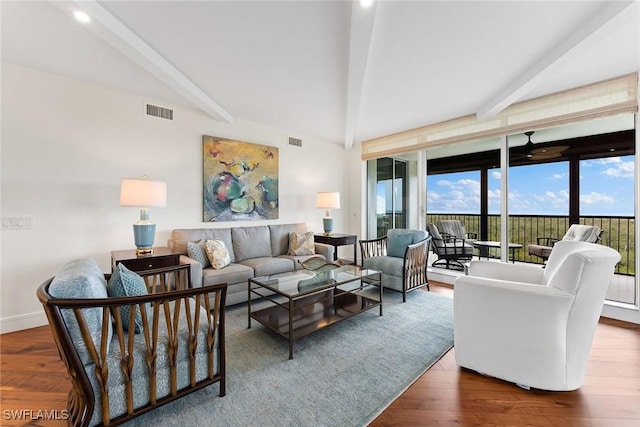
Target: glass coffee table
(301,302)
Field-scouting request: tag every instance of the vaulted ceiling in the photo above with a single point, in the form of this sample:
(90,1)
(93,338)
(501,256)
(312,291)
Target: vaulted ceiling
(330,69)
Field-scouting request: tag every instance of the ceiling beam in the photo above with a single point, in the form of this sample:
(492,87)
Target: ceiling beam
(605,21)
(362,20)
(118,35)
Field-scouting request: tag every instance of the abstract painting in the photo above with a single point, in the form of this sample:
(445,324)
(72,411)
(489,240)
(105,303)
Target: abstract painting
(240,180)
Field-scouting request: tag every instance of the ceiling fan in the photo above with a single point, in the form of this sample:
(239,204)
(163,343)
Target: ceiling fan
(543,153)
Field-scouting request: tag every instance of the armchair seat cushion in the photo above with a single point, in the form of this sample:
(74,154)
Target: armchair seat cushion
(388,264)
(457,247)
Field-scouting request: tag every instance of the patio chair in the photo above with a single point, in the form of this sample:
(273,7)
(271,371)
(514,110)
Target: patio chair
(577,232)
(450,250)
(454,228)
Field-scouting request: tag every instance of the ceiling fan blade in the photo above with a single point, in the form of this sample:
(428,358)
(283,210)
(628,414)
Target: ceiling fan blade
(544,156)
(549,150)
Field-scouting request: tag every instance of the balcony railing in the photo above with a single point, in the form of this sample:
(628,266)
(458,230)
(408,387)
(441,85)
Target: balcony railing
(619,232)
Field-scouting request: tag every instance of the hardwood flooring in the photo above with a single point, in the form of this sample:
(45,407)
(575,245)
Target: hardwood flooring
(33,378)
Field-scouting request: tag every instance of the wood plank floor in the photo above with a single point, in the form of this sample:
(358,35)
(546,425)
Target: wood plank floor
(32,377)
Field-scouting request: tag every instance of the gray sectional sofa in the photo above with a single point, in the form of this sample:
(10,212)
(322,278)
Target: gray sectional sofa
(254,251)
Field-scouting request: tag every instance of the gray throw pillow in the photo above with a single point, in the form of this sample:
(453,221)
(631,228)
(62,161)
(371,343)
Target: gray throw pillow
(198,251)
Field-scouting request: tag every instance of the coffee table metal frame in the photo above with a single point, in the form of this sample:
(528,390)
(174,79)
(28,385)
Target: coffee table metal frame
(303,302)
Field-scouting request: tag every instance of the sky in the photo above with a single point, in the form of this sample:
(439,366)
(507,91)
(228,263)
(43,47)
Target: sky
(606,188)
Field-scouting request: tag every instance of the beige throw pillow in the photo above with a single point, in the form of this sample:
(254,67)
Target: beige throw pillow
(217,253)
(301,243)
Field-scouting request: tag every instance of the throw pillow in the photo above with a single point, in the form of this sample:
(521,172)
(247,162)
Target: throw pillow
(217,253)
(301,243)
(397,244)
(198,251)
(127,283)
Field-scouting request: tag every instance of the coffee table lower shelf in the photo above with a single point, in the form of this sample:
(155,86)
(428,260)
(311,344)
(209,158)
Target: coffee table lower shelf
(312,313)
(311,318)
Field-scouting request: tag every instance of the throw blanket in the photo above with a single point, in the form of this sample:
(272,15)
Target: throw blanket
(583,233)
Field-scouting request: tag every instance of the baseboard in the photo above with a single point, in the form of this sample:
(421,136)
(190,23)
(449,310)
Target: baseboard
(24,321)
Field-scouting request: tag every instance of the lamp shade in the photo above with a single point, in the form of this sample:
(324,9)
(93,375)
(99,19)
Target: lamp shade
(328,200)
(143,193)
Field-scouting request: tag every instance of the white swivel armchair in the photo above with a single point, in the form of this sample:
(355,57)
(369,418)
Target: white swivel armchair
(529,325)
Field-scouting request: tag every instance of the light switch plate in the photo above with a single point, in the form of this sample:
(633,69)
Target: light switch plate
(17,223)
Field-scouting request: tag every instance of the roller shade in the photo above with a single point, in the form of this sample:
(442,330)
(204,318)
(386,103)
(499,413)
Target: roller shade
(606,98)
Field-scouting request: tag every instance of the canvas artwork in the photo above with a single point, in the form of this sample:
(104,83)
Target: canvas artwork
(240,180)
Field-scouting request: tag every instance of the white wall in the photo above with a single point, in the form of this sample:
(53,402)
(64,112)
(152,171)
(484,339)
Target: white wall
(66,144)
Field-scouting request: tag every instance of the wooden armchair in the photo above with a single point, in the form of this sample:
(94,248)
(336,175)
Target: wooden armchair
(401,256)
(116,374)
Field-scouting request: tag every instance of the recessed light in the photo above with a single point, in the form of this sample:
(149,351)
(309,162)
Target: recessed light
(366,3)
(81,16)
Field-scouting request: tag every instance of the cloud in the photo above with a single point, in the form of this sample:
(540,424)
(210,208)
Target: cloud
(593,197)
(496,174)
(460,196)
(559,175)
(621,170)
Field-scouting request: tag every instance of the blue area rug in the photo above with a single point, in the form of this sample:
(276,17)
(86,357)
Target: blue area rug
(344,375)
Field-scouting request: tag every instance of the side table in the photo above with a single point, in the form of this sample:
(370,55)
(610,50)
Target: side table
(335,240)
(161,257)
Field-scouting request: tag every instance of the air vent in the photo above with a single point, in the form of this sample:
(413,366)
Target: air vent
(156,111)
(295,141)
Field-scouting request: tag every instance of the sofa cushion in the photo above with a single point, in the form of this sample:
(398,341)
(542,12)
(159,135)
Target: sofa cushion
(301,243)
(231,274)
(265,266)
(198,251)
(217,253)
(251,242)
(127,283)
(280,236)
(80,279)
(397,242)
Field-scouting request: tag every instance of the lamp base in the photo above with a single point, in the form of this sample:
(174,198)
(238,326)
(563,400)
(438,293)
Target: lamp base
(328,226)
(144,235)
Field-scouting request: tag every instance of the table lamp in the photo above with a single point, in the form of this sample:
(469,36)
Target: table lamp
(328,201)
(143,193)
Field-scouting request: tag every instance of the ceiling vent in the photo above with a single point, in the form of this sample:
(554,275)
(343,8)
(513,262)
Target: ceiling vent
(295,141)
(156,111)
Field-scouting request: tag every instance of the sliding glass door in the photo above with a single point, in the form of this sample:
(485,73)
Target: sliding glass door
(389,190)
